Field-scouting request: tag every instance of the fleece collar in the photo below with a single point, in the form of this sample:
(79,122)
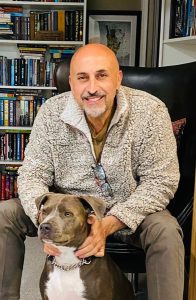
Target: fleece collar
(74,115)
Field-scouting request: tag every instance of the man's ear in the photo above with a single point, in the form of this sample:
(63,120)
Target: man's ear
(120,77)
(96,204)
(70,80)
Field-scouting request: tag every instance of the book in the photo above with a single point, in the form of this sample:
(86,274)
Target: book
(6,112)
(61,23)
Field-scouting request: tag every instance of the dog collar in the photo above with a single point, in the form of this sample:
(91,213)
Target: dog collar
(69,267)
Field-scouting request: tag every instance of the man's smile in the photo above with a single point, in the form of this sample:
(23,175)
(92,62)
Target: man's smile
(93,99)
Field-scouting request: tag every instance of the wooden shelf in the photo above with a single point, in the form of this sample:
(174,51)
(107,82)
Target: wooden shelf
(16,128)
(25,87)
(10,162)
(69,43)
(40,5)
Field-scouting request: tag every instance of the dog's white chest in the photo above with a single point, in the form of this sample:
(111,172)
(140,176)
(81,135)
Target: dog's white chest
(65,285)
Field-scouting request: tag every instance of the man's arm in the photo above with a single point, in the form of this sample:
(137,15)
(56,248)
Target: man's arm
(36,173)
(155,165)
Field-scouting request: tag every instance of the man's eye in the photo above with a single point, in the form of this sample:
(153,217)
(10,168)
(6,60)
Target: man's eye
(82,78)
(102,75)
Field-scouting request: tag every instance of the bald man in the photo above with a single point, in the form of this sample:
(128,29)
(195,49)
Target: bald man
(109,141)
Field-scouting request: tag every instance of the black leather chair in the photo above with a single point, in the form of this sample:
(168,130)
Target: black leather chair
(174,85)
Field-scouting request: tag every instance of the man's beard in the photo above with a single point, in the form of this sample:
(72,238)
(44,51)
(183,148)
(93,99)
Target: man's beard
(95,112)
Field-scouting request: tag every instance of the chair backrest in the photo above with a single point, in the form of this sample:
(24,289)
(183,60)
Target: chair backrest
(174,85)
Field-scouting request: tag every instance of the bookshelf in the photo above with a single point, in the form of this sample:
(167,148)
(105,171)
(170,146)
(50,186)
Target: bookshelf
(176,50)
(36,38)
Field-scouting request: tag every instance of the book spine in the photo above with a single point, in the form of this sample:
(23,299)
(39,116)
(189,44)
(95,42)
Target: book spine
(61,22)
(22,71)
(32,25)
(47,78)
(7,186)
(11,113)
(26,112)
(18,113)
(31,110)
(15,71)
(9,61)
(11,190)
(22,112)
(77,26)
(1,112)
(10,157)
(14,145)
(15,187)
(12,72)
(2,186)
(18,146)
(6,112)
(22,146)
(2,153)
(81,16)
(1,70)
(6,146)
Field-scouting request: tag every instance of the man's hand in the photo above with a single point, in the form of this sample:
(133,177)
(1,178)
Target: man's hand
(100,229)
(51,249)
(95,242)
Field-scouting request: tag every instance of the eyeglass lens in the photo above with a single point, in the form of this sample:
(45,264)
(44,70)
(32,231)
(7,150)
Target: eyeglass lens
(99,172)
(101,176)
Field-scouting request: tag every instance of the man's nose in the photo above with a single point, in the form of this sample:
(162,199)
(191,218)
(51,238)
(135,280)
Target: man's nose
(92,86)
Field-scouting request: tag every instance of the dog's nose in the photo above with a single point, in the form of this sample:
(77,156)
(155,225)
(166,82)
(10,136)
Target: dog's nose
(45,228)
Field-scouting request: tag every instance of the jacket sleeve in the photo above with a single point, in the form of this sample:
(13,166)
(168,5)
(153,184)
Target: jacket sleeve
(155,167)
(36,173)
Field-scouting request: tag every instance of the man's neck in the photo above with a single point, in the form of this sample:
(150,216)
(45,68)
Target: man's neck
(97,123)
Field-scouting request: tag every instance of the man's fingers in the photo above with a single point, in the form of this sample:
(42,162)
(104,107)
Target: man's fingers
(89,248)
(100,253)
(51,249)
(90,252)
(85,248)
(91,219)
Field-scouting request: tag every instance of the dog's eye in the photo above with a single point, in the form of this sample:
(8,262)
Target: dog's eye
(68,214)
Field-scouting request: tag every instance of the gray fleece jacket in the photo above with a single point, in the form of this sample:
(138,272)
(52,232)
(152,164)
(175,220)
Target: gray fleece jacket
(139,156)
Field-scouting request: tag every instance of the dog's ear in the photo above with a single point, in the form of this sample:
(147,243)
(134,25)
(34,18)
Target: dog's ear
(39,201)
(96,204)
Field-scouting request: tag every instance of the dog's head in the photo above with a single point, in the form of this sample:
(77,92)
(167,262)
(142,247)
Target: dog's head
(62,218)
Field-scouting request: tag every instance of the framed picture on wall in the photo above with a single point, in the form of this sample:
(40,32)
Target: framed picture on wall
(120,31)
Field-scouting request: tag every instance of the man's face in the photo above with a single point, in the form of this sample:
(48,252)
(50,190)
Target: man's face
(94,80)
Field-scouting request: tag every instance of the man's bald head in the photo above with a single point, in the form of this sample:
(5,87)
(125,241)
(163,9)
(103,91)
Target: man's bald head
(95,50)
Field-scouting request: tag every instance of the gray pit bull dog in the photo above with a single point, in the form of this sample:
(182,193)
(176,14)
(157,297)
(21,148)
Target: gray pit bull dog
(63,221)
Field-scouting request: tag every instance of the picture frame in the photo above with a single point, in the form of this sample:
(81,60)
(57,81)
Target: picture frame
(119,30)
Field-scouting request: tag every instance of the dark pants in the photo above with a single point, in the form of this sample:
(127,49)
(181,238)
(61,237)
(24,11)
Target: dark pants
(159,235)
(14,226)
